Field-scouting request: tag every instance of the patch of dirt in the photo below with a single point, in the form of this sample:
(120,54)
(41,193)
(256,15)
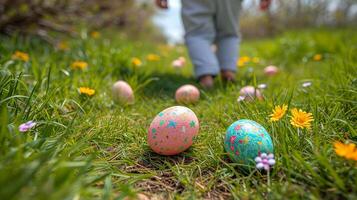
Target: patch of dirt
(154,161)
(164,182)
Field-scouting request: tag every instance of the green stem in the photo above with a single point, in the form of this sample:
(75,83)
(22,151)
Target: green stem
(268,181)
(36,135)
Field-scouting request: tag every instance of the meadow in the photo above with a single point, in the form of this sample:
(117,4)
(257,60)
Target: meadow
(88,147)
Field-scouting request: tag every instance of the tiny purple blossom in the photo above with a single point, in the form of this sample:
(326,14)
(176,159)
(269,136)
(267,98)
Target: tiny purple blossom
(265,161)
(241,98)
(27,126)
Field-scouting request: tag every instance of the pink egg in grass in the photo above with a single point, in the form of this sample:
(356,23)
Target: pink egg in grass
(182,59)
(187,94)
(122,93)
(271,70)
(173,130)
(249,93)
(179,63)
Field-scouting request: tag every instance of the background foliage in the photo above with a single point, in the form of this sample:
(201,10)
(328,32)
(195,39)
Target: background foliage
(297,14)
(134,16)
(40,16)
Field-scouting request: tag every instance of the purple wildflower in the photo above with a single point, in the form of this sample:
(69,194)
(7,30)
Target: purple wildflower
(241,98)
(26,126)
(265,161)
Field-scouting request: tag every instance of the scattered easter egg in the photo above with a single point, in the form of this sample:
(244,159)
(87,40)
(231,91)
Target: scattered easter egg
(271,70)
(122,93)
(173,130)
(179,63)
(249,93)
(245,140)
(187,94)
(182,59)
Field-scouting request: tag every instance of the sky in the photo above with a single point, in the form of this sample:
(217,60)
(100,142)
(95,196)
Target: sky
(170,22)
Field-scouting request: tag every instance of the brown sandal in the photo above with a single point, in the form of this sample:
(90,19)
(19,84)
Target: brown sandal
(206,81)
(228,76)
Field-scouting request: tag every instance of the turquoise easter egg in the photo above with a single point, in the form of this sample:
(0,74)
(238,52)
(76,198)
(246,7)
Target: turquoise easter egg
(245,140)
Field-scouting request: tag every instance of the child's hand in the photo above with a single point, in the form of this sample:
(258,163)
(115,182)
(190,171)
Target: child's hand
(162,4)
(265,4)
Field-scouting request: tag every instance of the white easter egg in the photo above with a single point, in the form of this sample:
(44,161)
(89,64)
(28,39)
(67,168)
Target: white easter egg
(122,93)
(249,93)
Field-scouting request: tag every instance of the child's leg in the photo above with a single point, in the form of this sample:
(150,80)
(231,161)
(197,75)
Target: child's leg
(227,24)
(197,16)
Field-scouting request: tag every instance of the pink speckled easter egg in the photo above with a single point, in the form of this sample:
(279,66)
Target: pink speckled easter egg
(271,70)
(173,130)
(249,93)
(187,94)
(122,93)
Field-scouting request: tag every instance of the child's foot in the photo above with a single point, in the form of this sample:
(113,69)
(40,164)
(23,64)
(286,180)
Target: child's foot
(228,76)
(206,81)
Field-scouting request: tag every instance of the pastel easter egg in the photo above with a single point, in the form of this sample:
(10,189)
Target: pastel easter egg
(182,59)
(249,93)
(179,63)
(271,70)
(245,140)
(173,130)
(187,94)
(122,93)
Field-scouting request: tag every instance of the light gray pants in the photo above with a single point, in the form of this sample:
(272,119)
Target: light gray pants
(208,22)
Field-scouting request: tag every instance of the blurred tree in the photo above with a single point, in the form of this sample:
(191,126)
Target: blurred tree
(297,14)
(38,16)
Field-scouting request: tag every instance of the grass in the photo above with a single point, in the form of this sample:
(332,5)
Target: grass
(91,148)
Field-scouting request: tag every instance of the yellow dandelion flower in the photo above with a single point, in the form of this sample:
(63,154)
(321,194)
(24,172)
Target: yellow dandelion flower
(87,91)
(19,55)
(317,57)
(240,63)
(152,57)
(136,62)
(256,60)
(63,46)
(348,151)
(245,59)
(79,65)
(301,119)
(278,113)
(95,34)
